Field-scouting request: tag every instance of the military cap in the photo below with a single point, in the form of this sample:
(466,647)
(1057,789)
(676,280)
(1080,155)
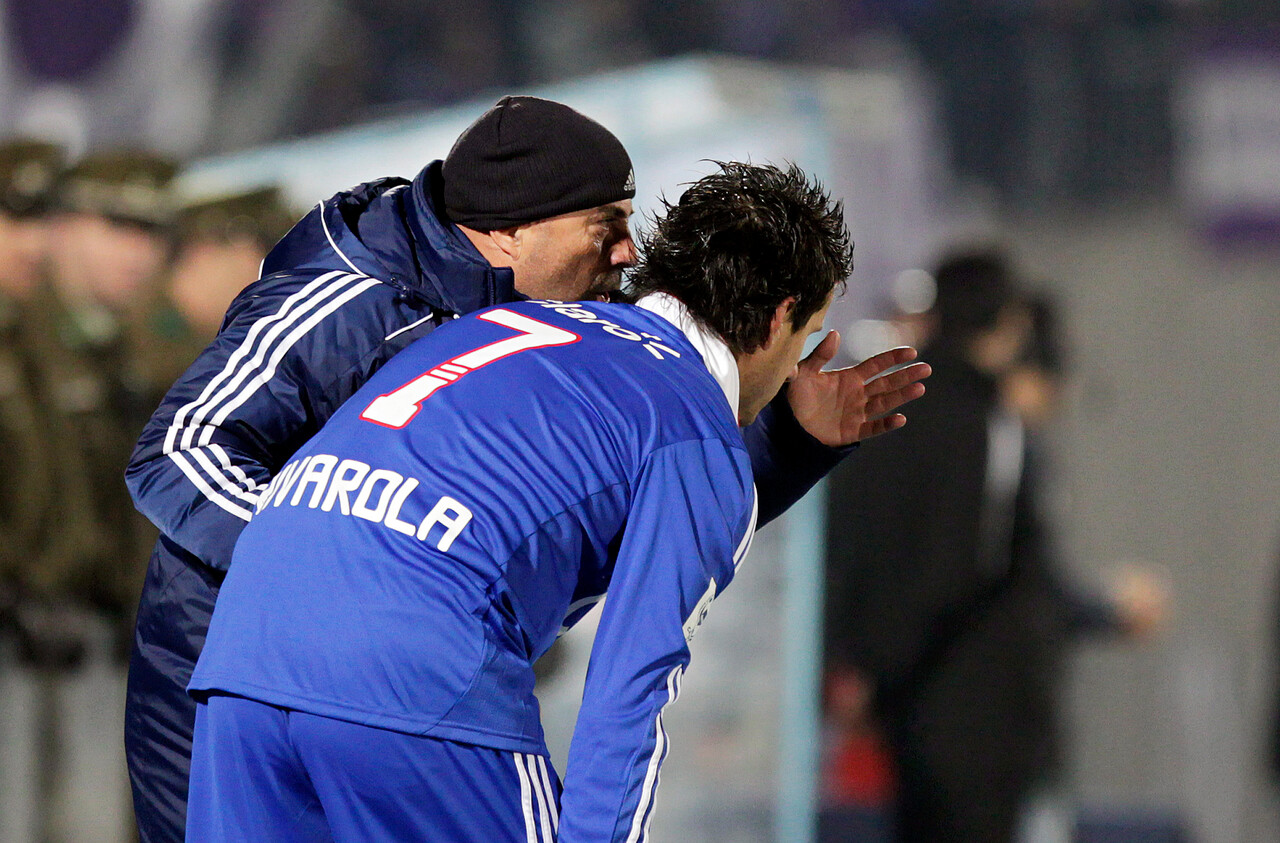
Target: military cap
(29,171)
(260,213)
(130,185)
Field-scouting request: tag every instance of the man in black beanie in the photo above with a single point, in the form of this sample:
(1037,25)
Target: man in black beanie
(532,201)
(538,187)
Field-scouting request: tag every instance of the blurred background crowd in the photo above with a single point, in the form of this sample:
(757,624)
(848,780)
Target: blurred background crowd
(1095,458)
(109,289)
(1043,100)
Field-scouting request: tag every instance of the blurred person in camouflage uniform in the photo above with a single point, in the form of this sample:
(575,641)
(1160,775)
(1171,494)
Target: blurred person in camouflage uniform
(93,359)
(28,171)
(111,242)
(221,241)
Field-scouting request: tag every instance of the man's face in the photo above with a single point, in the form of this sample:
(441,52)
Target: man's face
(575,256)
(764,371)
(113,264)
(207,274)
(22,250)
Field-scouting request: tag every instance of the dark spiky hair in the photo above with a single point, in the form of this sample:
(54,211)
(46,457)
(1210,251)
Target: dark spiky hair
(741,241)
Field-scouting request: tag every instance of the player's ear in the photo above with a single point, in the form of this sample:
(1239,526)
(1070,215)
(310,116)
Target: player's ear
(779,321)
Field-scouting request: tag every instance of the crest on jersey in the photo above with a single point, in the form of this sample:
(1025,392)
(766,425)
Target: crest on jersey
(699,613)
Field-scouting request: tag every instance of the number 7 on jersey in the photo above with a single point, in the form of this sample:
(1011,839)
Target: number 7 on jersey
(396,409)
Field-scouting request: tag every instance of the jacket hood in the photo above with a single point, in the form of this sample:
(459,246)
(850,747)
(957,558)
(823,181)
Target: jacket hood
(390,230)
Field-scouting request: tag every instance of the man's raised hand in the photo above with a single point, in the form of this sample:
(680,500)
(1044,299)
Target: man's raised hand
(843,406)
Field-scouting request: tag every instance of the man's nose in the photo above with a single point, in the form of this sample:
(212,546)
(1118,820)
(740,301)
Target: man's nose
(623,253)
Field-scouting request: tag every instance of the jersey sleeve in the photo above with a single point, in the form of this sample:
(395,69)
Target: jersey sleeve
(690,523)
(279,367)
(785,459)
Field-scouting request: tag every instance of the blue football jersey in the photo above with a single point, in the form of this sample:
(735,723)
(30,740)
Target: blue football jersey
(474,499)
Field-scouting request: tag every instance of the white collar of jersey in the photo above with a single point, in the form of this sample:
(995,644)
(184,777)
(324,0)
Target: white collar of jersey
(719,360)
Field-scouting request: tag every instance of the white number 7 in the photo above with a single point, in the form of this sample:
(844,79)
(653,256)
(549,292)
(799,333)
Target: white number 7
(396,409)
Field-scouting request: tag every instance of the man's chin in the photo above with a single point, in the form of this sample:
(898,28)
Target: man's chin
(606,287)
(621,297)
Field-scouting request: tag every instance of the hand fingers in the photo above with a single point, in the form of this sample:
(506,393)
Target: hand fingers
(885,360)
(821,354)
(881,405)
(899,378)
(875,427)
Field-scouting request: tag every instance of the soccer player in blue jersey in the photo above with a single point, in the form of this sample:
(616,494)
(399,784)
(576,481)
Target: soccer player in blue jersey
(368,670)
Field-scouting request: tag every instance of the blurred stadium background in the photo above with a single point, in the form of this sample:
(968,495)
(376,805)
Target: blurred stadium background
(1127,152)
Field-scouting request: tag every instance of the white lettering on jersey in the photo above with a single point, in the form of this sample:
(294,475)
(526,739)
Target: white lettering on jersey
(391,481)
(347,477)
(393,512)
(448,512)
(336,482)
(586,317)
(279,486)
(316,472)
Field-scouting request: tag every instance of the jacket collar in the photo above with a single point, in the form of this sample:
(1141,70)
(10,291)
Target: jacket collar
(391,230)
(719,360)
(449,262)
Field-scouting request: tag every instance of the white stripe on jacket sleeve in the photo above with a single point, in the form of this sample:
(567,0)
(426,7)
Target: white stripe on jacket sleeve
(247,369)
(265,352)
(278,354)
(234,361)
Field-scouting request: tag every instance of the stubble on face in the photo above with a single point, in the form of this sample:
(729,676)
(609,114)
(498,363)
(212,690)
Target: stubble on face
(580,256)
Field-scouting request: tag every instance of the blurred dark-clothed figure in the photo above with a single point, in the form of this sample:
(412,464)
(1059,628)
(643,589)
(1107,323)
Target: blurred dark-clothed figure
(111,241)
(29,170)
(944,595)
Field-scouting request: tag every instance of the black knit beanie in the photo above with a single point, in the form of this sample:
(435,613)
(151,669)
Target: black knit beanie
(528,159)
